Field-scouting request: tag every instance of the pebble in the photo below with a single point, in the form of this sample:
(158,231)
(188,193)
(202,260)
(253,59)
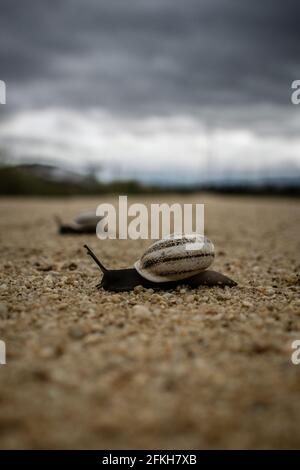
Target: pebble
(167,295)
(72,266)
(223,296)
(8,265)
(76,332)
(48,280)
(190,298)
(48,352)
(116,298)
(45,268)
(62,306)
(269,291)
(141,311)
(3,310)
(138,289)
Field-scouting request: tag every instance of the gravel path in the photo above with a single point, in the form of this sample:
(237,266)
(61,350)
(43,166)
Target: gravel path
(206,368)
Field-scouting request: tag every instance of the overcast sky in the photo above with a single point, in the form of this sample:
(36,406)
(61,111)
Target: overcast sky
(137,85)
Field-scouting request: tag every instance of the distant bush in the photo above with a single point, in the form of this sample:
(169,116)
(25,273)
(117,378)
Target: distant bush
(16,181)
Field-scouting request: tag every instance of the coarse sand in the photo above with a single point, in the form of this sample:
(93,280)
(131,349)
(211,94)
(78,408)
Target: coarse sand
(205,368)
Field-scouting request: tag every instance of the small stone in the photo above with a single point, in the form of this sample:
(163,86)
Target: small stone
(45,267)
(291,279)
(72,266)
(269,291)
(47,352)
(116,298)
(76,332)
(138,289)
(48,280)
(211,311)
(223,296)
(8,265)
(190,298)
(141,311)
(42,375)
(62,306)
(155,298)
(245,303)
(92,338)
(167,295)
(3,310)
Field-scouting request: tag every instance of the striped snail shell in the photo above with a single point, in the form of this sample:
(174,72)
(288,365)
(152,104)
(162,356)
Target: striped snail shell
(176,257)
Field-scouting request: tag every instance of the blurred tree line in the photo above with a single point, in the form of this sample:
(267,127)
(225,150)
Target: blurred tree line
(40,180)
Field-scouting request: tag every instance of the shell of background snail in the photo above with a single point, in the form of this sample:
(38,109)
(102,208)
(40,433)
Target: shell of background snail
(176,257)
(85,222)
(88,219)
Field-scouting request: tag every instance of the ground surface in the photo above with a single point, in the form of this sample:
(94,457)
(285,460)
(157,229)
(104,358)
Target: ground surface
(189,369)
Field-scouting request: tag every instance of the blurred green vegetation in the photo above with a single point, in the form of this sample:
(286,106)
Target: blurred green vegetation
(38,180)
(16,181)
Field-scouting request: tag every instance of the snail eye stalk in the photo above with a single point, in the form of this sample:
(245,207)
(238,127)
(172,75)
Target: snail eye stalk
(94,257)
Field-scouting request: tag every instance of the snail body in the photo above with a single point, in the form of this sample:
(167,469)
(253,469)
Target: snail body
(165,265)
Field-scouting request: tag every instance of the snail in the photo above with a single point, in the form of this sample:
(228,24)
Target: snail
(84,223)
(166,264)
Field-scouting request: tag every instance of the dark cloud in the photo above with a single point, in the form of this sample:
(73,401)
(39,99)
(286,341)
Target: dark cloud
(225,59)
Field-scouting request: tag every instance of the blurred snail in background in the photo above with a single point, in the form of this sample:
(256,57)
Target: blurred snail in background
(84,223)
(167,263)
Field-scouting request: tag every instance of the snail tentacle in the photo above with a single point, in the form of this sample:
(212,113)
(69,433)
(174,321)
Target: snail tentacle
(94,257)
